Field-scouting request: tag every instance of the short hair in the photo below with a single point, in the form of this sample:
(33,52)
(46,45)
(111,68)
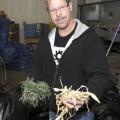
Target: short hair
(46,3)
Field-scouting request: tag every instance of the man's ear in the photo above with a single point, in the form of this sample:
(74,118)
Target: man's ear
(70,4)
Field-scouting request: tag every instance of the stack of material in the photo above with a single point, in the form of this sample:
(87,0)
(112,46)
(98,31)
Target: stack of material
(15,55)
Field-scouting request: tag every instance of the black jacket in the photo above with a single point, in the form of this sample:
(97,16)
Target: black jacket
(83,63)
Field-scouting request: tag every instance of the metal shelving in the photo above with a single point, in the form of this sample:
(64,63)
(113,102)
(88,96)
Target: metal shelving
(82,8)
(105,25)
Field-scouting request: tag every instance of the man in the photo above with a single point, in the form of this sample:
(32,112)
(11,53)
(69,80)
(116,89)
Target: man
(71,53)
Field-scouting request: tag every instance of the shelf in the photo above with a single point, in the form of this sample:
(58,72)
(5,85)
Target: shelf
(32,40)
(97,12)
(102,2)
(104,17)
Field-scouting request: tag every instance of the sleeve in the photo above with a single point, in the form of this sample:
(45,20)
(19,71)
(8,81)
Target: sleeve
(35,68)
(97,70)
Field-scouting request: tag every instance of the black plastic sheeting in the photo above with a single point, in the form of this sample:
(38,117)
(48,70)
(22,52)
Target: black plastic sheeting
(11,108)
(14,109)
(109,108)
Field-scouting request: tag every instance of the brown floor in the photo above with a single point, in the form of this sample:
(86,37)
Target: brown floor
(15,77)
(114,65)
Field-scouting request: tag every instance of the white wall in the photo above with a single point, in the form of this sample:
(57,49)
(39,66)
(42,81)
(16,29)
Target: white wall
(25,10)
(75,2)
(30,11)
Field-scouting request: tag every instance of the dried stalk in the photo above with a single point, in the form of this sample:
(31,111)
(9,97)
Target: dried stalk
(68,93)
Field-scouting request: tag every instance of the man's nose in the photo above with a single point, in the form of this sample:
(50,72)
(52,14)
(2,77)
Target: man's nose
(58,12)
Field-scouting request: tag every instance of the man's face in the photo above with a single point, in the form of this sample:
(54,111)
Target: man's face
(60,12)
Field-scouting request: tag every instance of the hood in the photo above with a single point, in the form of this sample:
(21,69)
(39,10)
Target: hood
(80,29)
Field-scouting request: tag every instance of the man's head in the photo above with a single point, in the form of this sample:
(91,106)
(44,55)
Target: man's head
(60,12)
(46,2)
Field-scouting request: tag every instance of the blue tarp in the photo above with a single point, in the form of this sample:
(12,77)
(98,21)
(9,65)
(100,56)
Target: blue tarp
(16,56)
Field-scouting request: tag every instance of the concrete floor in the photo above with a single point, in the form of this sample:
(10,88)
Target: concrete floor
(15,77)
(114,65)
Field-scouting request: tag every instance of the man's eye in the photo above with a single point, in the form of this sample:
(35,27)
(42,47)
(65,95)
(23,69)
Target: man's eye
(52,10)
(62,6)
